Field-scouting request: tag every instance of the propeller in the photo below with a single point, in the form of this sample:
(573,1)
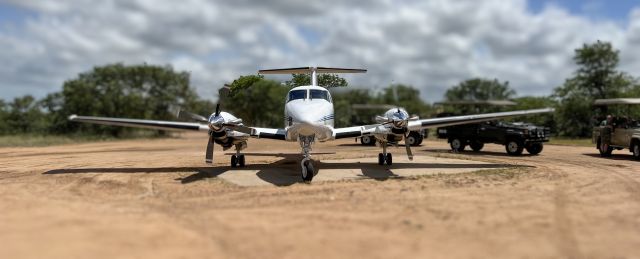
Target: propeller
(215,124)
(407,146)
(209,152)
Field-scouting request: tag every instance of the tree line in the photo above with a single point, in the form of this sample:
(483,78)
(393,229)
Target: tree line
(154,92)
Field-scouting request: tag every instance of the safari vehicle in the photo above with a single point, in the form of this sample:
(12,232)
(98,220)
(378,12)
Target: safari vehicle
(618,132)
(516,137)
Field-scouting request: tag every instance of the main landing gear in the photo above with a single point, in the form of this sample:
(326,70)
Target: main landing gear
(237,160)
(307,166)
(384,157)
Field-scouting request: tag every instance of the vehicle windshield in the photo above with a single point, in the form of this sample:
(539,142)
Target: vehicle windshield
(320,94)
(297,94)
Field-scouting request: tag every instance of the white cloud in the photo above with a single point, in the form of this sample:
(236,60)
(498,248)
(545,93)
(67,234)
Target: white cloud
(429,44)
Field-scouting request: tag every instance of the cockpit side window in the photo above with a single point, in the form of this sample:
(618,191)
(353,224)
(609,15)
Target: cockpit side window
(320,94)
(297,94)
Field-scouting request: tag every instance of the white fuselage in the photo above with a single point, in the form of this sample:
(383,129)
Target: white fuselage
(309,112)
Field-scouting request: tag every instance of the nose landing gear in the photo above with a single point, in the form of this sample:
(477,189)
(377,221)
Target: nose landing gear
(307,166)
(384,157)
(237,160)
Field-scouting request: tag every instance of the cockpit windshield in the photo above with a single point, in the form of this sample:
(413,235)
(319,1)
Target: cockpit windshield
(297,94)
(320,94)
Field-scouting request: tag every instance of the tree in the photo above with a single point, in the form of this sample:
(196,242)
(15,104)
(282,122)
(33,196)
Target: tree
(3,117)
(24,116)
(344,114)
(404,96)
(478,89)
(596,74)
(137,91)
(597,77)
(532,102)
(258,102)
(325,80)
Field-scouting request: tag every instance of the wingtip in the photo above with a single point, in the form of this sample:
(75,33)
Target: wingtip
(72,117)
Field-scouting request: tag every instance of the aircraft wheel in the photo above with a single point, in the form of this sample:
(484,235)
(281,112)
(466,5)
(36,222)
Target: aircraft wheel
(241,160)
(307,171)
(389,159)
(380,159)
(514,147)
(234,161)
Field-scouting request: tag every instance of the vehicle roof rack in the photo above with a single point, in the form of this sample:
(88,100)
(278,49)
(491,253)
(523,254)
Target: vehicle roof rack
(628,101)
(478,102)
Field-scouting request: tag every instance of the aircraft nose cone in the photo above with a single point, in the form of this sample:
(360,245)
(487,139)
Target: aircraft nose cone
(302,117)
(215,122)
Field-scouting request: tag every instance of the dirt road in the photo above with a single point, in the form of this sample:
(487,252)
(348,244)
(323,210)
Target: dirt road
(155,198)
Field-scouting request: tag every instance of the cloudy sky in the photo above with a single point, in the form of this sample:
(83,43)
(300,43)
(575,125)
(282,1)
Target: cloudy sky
(431,45)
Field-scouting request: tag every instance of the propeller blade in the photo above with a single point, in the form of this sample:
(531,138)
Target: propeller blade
(192,116)
(408,147)
(209,152)
(217,109)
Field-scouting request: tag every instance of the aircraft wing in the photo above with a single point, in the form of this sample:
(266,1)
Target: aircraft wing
(268,133)
(136,123)
(466,119)
(354,132)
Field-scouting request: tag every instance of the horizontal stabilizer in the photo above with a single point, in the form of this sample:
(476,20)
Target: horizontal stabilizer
(308,70)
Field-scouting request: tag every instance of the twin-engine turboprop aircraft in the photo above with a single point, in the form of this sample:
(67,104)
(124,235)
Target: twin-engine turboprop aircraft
(309,117)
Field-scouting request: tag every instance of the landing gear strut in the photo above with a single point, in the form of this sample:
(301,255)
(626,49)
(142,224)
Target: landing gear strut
(306,163)
(237,160)
(384,157)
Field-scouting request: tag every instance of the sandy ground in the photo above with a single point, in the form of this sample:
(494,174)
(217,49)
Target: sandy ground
(156,198)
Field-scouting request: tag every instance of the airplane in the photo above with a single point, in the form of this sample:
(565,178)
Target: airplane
(309,117)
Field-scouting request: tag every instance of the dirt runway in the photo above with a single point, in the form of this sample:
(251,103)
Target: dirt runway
(156,198)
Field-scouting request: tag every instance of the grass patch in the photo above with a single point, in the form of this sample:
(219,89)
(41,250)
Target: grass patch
(28,140)
(583,142)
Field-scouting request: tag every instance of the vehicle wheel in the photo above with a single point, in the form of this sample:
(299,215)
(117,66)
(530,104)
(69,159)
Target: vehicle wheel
(414,138)
(389,159)
(420,139)
(456,144)
(514,147)
(307,171)
(636,150)
(366,140)
(476,145)
(234,161)
(605,150)
(380,159)
(534,148)
(411,140)
(241,160)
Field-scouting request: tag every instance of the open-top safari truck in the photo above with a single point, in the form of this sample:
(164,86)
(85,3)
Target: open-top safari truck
(617,131)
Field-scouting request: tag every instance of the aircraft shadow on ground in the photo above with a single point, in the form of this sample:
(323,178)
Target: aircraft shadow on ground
(283,172)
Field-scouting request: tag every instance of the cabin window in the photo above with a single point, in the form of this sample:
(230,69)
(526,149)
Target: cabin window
(320,94)
(297,94)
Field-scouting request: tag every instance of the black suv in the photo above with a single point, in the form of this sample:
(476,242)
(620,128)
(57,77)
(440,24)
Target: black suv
(514,136)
